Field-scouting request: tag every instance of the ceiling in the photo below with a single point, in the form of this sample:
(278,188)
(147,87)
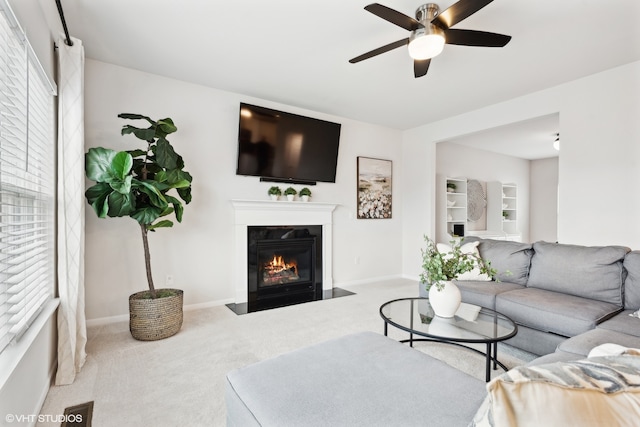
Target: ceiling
(296,52)
(530,139)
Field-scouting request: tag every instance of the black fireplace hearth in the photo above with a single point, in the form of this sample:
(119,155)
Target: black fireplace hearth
(284,265)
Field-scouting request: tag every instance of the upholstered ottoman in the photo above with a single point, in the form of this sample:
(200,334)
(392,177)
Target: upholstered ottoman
(363,379)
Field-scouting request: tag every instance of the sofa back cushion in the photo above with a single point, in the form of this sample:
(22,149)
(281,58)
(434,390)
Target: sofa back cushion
(632,281)
(510,259)
(586,271)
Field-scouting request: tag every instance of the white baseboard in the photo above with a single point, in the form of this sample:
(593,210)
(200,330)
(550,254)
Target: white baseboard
(208,304)
(101,321)
(367,281)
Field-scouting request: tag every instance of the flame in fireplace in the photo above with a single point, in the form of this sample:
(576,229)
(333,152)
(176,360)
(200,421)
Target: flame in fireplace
(279,271)
(277,265)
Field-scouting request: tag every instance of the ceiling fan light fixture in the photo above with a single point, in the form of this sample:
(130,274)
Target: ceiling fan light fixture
(427,41)
(426,46)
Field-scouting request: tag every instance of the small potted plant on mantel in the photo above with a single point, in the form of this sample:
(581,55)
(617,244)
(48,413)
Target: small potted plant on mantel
(275,192)
(290,192)
(305,193)
(137,183)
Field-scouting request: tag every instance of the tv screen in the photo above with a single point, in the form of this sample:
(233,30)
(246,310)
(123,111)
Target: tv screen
(280,146)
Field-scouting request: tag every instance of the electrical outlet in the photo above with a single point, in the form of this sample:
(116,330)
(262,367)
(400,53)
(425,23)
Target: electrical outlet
(356,260)
(169,281)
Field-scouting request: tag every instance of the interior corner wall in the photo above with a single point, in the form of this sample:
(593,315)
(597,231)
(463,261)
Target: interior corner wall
(599,159)
(543,198)
(418,190)
(454,160)
(197,252)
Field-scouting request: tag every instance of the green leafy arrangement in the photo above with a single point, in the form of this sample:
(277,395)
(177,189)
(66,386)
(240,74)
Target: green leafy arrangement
(438,267)
(137,183)
(305,192)
(275,191)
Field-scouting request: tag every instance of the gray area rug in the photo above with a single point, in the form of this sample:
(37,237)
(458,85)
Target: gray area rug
(180,380)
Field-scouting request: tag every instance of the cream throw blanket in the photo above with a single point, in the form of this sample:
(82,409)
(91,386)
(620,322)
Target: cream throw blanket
(598,391)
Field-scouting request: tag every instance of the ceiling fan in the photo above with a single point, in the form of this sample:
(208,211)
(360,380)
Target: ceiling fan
(431,30)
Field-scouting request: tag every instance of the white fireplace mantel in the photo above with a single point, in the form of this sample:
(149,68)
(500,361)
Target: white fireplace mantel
(268,212)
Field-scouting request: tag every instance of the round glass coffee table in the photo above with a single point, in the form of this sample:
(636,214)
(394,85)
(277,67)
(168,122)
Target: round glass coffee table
(471,324)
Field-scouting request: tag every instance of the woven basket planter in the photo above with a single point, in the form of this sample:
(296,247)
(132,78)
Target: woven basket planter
(155,319)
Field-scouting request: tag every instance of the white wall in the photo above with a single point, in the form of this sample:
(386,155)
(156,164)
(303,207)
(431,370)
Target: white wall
(454,160)
(598,166)
(197,253)
(543,219)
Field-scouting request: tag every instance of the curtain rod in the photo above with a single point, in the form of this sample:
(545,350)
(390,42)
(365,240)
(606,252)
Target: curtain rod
(64,24)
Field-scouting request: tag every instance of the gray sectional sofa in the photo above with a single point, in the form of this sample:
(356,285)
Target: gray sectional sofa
(564,298)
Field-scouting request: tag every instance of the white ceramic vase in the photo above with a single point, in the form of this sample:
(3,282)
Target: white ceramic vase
(290,197)
(274,197)
(305,198)
(446,302)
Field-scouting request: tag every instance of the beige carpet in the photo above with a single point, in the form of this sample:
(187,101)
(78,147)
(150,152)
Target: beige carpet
(179,381)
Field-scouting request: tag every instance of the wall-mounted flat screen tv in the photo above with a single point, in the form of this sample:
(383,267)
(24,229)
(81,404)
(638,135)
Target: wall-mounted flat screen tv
(285,147)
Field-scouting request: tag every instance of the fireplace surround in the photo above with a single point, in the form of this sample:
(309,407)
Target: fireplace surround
(267,213)
(284,265)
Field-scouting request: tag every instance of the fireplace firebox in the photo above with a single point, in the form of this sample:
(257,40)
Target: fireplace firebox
(284,265)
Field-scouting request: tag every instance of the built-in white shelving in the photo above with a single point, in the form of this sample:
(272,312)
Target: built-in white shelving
(456,205)
(502,209)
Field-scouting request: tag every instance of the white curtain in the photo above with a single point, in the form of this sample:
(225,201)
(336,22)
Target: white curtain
(72,329)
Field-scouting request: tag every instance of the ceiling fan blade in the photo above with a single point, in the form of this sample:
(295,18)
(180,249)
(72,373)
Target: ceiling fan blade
(420,67)
(458,11)
(380,50)
(475,38)
(394,16)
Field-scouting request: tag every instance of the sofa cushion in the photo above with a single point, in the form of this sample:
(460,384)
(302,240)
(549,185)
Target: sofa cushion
(510,259)
(556,356)
(624,323)
(484,293)
(535,341)
(589,392)
(582,344)
(632,281)
(548,311)
(587,271)
(361,379)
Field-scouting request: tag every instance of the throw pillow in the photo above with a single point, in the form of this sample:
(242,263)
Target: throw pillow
(591,392)
(610,349)
(467,248)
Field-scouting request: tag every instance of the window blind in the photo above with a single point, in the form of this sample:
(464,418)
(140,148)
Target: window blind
(27,182)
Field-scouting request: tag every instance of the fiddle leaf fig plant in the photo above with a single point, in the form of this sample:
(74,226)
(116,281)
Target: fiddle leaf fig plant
(137,183)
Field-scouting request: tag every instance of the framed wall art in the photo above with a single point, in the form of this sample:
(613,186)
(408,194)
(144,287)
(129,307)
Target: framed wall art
(374,188)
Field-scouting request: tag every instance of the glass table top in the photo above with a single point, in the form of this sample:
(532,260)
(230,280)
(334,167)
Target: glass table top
(471,323)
